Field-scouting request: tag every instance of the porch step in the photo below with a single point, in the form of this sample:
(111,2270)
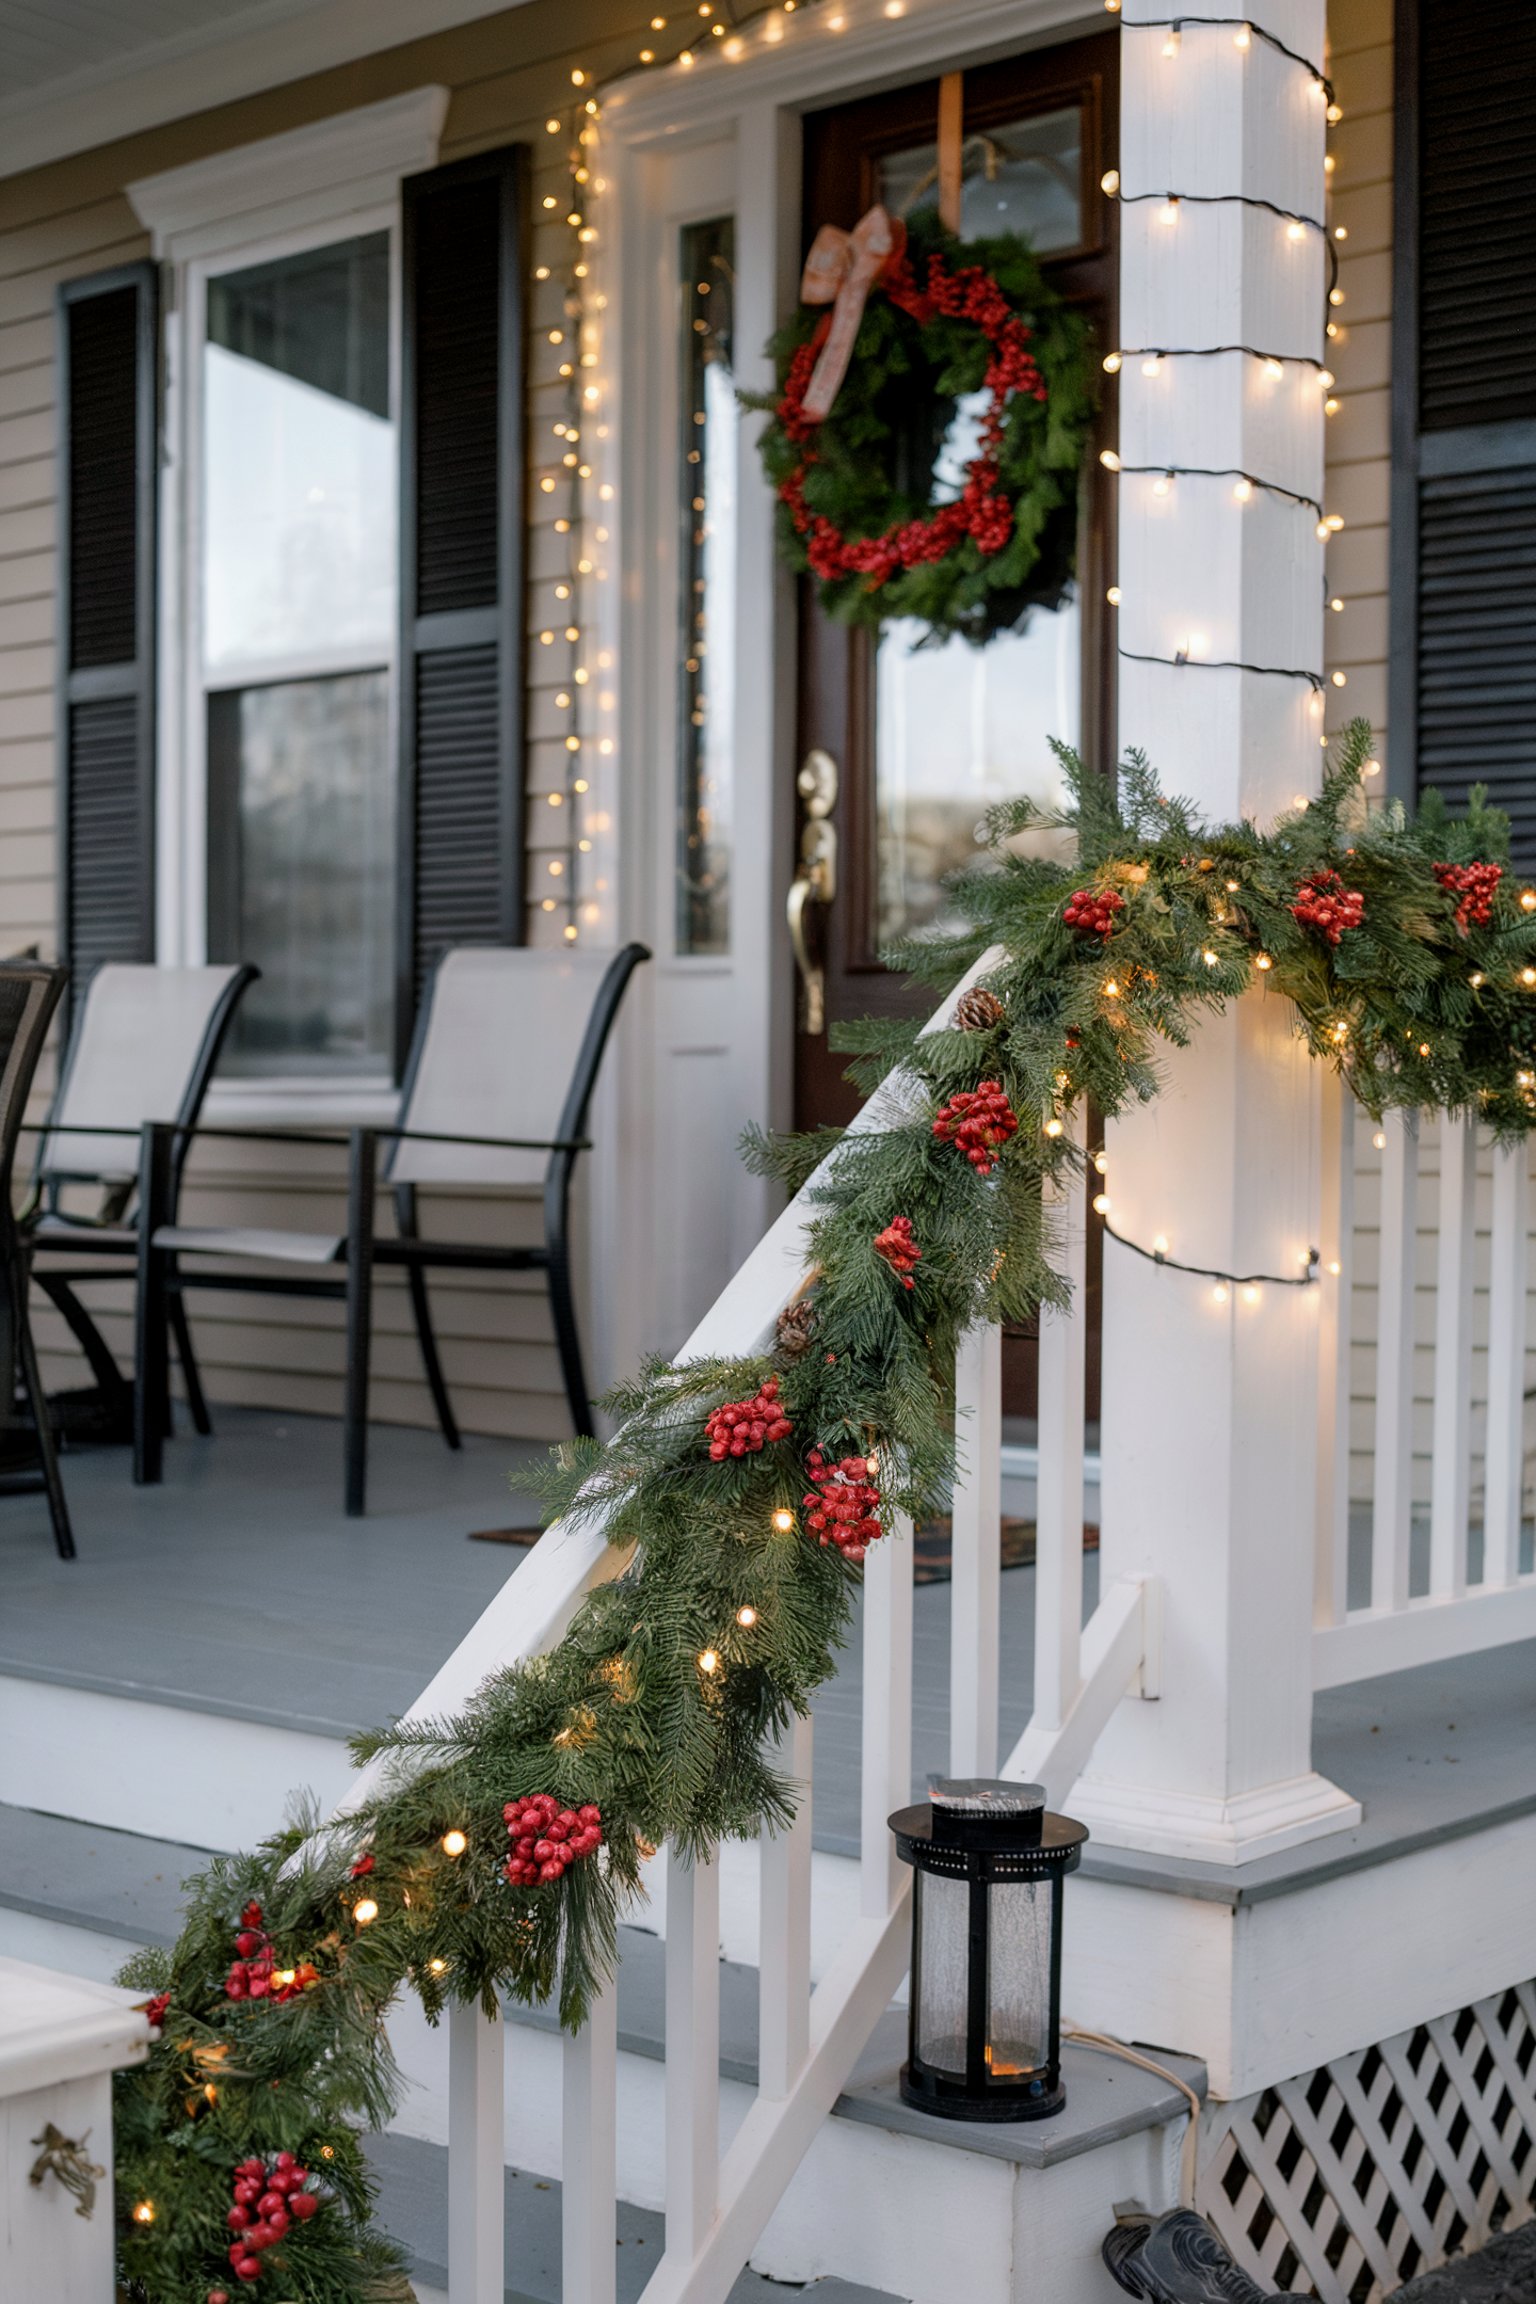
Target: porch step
(413,2198)
(861,2209)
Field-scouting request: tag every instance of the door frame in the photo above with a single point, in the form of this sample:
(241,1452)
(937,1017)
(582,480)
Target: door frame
(747,109)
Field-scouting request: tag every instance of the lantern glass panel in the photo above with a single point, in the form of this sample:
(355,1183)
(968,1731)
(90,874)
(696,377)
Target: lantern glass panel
(944,1920)
(1019,1918)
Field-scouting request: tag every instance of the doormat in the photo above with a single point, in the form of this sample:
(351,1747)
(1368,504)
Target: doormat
(934,1542)
(932,1564)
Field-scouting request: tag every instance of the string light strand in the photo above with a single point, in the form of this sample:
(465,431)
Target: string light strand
(1212,472)
(1306,1279)
(1183,662)
(1239,25)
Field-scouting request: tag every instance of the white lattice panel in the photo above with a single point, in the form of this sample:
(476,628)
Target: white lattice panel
(1351,2179)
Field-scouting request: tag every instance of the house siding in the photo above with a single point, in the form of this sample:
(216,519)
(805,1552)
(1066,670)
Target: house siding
(507,75)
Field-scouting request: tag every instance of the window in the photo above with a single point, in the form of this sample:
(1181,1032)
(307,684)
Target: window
(707,603)
(298,617)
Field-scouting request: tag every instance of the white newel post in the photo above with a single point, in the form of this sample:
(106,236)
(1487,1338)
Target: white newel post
(61,2039)
(1210,1404)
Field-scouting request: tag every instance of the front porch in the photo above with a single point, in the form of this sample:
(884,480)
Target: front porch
(218,1639)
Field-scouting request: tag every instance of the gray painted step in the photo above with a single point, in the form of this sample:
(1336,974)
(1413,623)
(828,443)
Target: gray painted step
(121,1885)
(114,1883)
(413,2205)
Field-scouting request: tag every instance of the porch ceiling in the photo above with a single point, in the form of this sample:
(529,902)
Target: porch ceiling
(78,73)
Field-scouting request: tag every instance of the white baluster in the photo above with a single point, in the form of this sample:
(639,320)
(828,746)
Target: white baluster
(976,1552)
(1393,1514)
(1336,1235)
(784,1967)
(1452,1474)
(1059,1484)
(588,2154)
(1504,1457)
(886,1770)
(476,2158)
(693,2052)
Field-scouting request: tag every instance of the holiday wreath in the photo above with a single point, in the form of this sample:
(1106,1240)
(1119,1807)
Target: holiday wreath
(500,1848)
(877,501)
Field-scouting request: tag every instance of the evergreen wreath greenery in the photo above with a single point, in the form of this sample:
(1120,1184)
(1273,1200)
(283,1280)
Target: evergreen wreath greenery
(731,1588)
(856,490)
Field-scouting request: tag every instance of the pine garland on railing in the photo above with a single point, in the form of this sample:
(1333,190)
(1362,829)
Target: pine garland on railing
(745,1492)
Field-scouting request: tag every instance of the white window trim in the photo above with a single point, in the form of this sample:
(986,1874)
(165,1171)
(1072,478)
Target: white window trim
(336,179)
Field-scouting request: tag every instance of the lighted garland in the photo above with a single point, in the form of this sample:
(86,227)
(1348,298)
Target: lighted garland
(858,509)
(503,1845)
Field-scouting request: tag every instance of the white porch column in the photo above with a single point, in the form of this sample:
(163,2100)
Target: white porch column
(1210,1406)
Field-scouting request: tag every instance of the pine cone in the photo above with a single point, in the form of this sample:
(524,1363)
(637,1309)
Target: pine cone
(797,1328)
(978,1010)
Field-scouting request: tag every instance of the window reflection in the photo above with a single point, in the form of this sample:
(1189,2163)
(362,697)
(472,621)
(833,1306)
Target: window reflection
(299,593)
(299,457)
(1025,176)
(707,605)
(301,869)
(957,727)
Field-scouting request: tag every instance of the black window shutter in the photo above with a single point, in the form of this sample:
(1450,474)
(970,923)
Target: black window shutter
(108,429)
(1462,705)
(462,463)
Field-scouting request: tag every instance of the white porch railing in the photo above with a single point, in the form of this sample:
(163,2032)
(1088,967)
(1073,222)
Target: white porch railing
(717,2203)
(1472,1497)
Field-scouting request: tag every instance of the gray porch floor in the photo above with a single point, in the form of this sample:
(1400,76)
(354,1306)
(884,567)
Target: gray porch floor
(239,1587)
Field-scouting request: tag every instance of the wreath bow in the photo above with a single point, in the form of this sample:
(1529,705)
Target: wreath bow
(840,270)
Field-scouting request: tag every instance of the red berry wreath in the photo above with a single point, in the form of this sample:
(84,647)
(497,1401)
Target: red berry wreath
(948,328)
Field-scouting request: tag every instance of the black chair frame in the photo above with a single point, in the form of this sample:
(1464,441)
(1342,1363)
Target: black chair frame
(163,1278)
(107,1413)
(18,1353)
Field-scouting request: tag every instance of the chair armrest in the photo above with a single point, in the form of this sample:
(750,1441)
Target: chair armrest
(490,1143)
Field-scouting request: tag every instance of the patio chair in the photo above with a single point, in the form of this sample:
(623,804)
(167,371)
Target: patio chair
(29,993)
(496,1095)
(144,1046)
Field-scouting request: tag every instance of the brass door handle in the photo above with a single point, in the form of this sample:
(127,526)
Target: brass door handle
(816,882)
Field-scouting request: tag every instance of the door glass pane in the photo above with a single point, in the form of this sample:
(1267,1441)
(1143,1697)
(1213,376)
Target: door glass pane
(707,604)
(301,870)
(1023,177)
(958,727)
(299,458)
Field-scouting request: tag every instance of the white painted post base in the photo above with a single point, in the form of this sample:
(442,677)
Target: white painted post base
(61,2039)
(1167,1822)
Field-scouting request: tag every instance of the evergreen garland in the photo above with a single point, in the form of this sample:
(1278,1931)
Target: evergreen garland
(866,470)
(1409,956)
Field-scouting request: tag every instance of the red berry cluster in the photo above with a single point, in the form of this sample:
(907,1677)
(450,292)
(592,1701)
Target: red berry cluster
(1324,902)
(899,1249)
(741,1427)
(267,2201)
(980,511)
(843,1503)
(1092,915)
(1474,885)
(155,2009)
(977,1121)
(548,1839)
(254,1975)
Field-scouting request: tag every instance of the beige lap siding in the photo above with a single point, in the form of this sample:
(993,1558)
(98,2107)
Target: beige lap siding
(507,75)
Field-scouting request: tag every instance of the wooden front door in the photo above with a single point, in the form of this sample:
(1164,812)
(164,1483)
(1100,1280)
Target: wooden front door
(902,748)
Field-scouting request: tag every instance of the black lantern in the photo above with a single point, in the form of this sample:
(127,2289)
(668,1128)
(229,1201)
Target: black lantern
(985,2026)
